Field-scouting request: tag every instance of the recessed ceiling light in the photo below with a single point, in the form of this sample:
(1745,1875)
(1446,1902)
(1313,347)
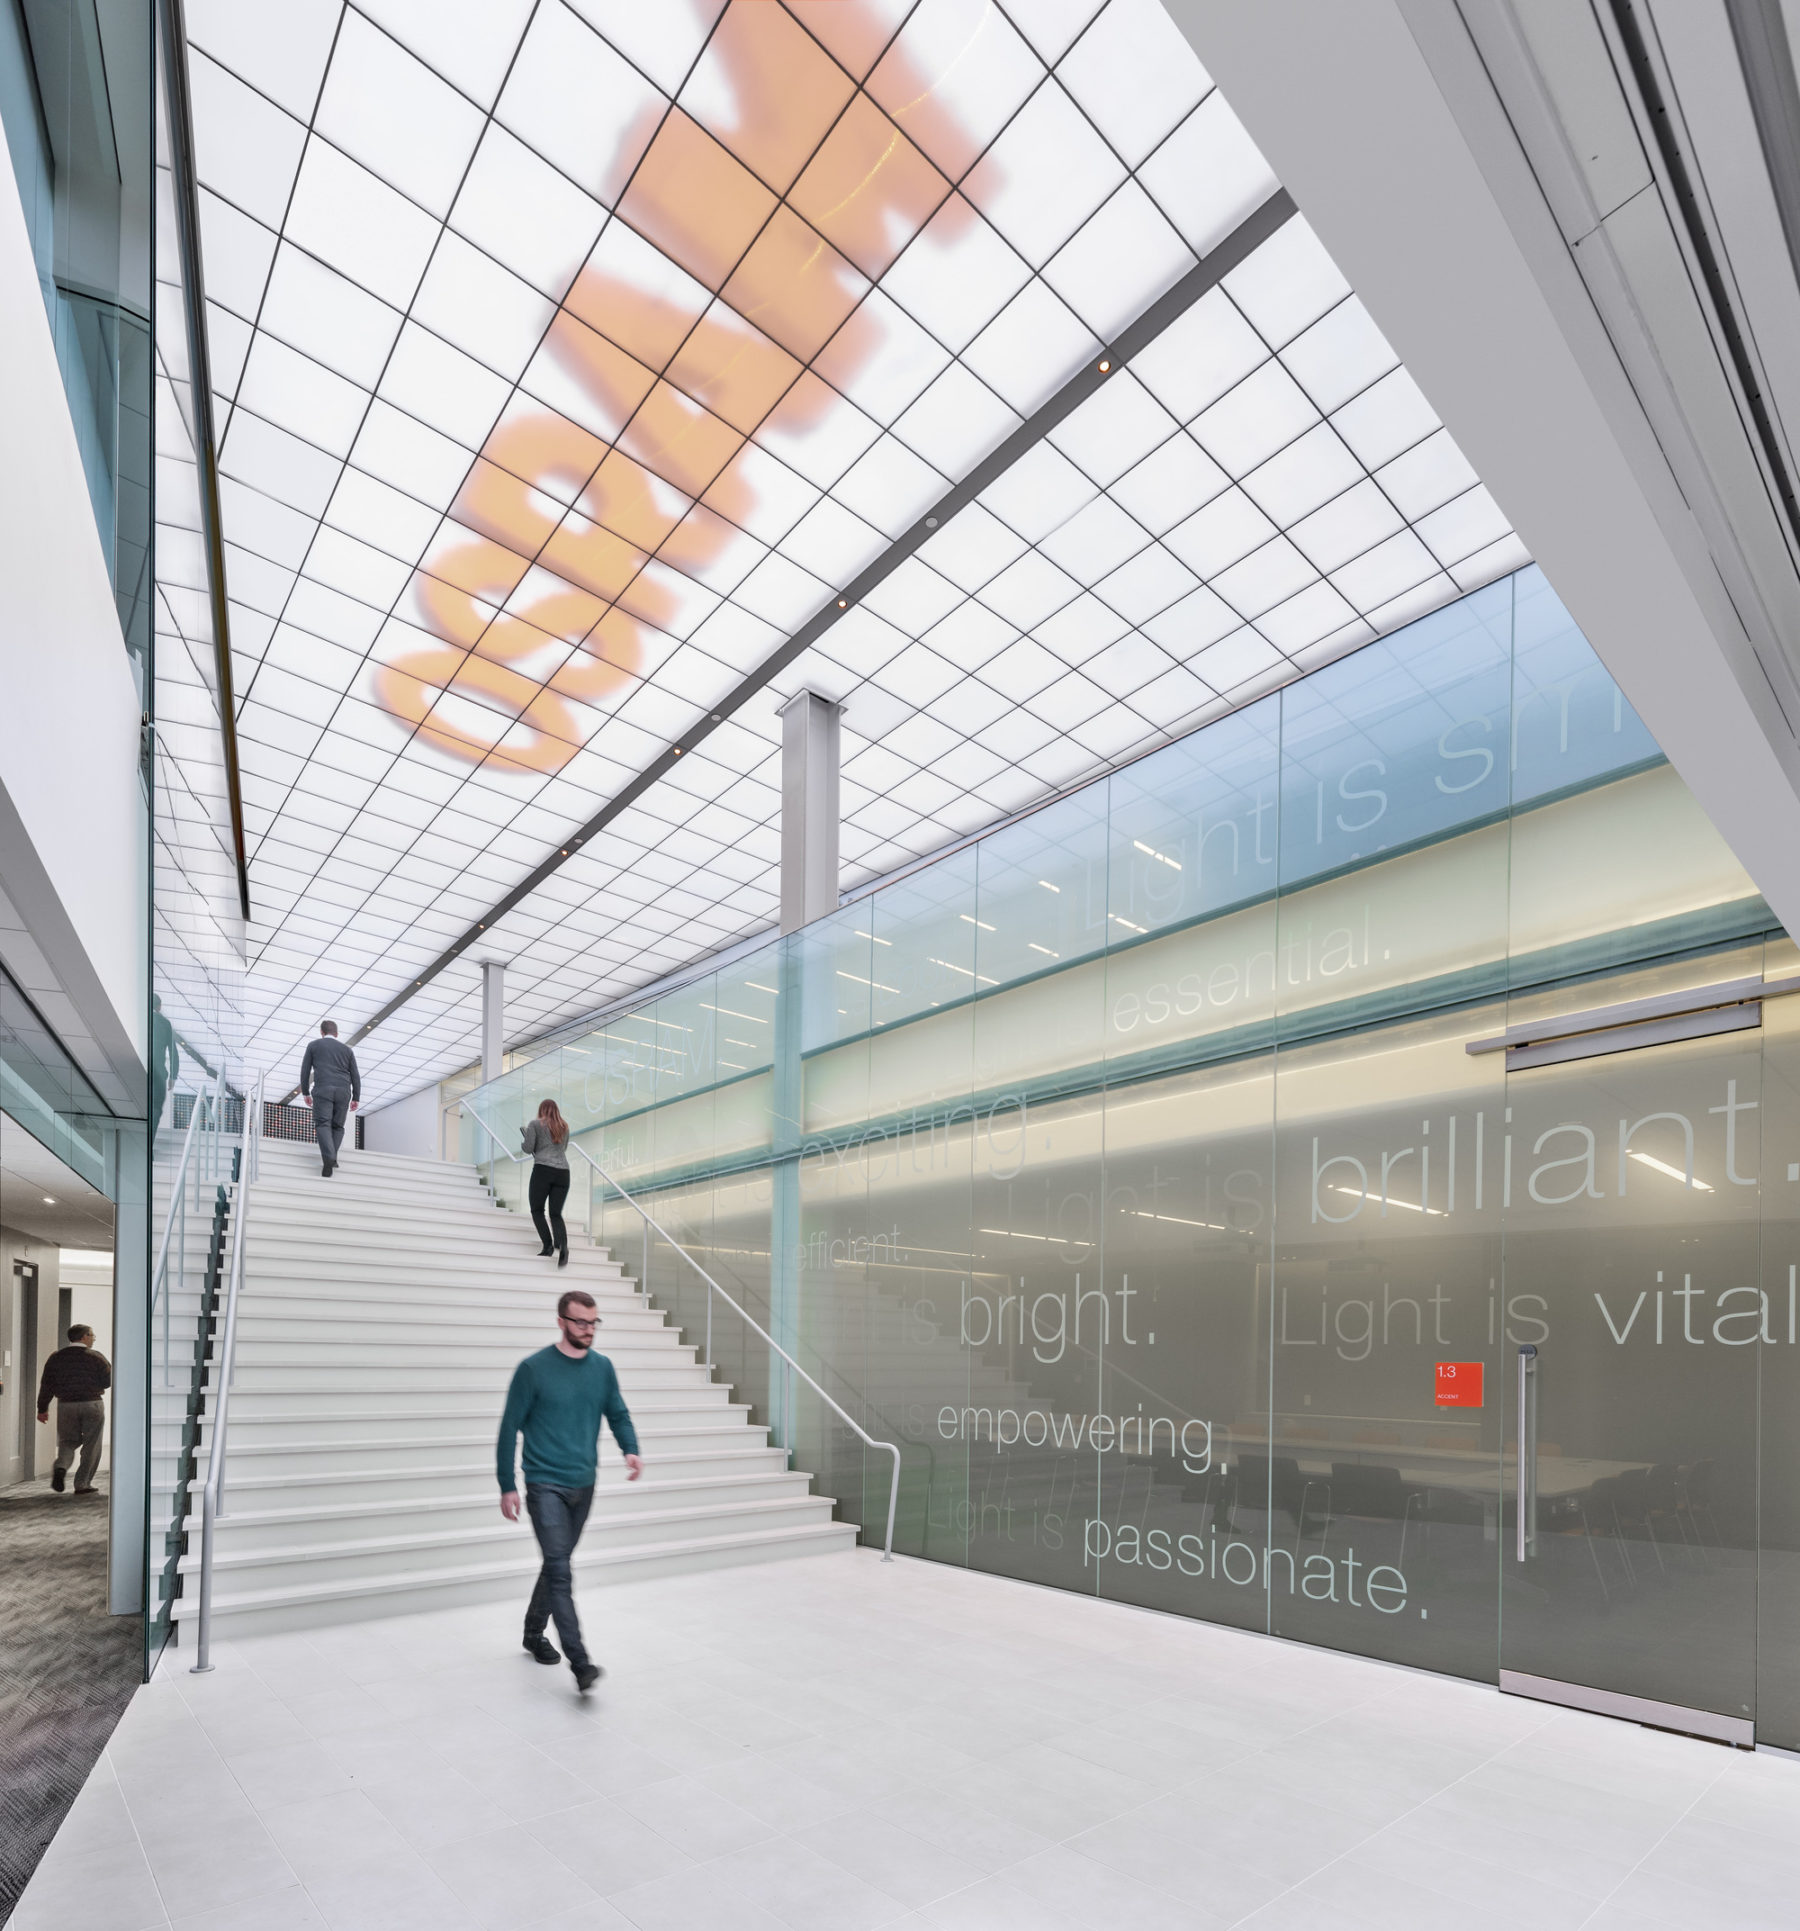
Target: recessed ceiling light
(48,1202)
(1106,368)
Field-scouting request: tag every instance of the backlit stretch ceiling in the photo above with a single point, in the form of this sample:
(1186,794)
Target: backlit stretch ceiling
(572,357)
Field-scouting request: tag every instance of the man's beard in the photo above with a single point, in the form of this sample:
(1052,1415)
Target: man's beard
(579,1342)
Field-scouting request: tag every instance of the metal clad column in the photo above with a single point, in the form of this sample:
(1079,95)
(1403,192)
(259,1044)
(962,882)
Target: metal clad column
(809,890)
(809,809)
(493,1019)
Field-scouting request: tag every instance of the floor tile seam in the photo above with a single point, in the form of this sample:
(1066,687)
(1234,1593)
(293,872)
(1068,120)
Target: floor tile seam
(1711,1784)
(137,1837)
(1399,1817)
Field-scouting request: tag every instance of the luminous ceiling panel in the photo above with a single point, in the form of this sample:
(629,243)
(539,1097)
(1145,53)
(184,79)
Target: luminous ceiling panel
(572,356)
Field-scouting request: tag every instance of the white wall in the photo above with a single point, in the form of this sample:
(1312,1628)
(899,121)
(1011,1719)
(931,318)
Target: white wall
(73,824)
(409,1126)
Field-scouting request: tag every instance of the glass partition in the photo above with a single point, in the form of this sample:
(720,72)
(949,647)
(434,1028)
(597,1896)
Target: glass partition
(1130,1167)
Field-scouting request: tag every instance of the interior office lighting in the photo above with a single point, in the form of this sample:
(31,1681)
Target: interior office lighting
(1008,1233)
(861,981)
(1048,887)
(1129,927)
(950,966)
(1175,1220)
(48,1202)
(1044,949)
(731,1012)
(1674,1173)
(1162,858)
(861,934)
(757,986)
(967,920)
(1411,1206)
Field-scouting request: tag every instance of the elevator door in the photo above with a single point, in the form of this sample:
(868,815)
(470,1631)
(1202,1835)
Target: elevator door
(1635,1308)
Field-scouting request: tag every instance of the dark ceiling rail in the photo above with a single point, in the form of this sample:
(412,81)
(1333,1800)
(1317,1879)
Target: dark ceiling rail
(193,293)
(1168,308)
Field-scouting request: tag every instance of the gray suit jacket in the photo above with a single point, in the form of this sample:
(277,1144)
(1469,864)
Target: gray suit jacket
(328,1067)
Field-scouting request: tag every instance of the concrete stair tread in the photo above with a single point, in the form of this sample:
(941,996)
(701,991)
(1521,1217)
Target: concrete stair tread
(483,1495)
(224,1558)
(828,1534)
(240,1478)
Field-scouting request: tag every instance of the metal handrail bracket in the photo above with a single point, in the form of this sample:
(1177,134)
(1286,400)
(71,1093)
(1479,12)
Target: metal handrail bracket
(212,1492)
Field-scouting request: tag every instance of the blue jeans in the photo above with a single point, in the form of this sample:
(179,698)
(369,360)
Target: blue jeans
(558,1516)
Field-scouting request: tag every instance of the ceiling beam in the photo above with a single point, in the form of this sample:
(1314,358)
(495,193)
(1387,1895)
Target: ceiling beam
(1238,246)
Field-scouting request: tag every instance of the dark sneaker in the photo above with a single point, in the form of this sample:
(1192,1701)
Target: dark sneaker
(587,1676)
(543,1649)
(58,1477)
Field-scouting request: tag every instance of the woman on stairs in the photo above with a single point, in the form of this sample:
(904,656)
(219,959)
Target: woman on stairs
(546,1140)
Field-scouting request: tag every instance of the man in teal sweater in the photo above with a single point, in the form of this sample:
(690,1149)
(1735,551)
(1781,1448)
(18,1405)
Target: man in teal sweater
(557,1399)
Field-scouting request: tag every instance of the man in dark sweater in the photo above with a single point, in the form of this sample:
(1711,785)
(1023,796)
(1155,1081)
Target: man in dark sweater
(331,1086)
(76,1378)
(557,1400)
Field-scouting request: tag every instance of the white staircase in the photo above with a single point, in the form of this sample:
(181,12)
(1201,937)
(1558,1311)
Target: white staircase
(382,1315)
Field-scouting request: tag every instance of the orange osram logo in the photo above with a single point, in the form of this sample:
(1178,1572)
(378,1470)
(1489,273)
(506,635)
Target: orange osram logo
(521,667)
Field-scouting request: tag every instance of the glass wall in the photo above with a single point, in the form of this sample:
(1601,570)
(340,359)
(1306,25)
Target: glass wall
(1131,1169)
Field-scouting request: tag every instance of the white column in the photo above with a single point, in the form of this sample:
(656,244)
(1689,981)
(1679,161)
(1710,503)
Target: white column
(809,808)
(493,1019)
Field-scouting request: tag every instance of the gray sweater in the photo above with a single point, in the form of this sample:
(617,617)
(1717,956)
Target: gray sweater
(329,1066)
(543,1150)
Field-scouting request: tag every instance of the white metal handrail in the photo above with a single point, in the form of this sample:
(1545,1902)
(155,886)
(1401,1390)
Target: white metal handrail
(159,1281)
(212,1492)
(743,1314)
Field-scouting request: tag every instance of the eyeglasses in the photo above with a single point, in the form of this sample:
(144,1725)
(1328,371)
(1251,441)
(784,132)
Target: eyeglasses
(573,1322)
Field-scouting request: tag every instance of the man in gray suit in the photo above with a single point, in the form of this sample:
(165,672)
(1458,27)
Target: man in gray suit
(331,1086)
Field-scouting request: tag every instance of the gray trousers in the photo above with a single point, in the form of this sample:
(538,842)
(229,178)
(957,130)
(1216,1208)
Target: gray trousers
(331,1109)
(80,1425)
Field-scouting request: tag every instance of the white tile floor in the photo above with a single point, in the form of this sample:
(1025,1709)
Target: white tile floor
(830,1745)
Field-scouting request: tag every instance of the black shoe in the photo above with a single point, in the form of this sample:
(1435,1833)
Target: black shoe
(587,1676)
(562,1258)
(544,1253)
(543,1649)
(57,1478)
(329,1168)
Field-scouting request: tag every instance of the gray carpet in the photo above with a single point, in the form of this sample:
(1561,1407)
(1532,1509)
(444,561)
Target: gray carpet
(67,1668)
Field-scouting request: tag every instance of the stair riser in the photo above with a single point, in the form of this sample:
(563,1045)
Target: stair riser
(414,1287)
(300,1478)
(286,1394)
(660,1352)
(512,1337)
(698,1451)
(511,1589)
(454,1264)
(432,1505)
(513,1332)
(657,1417)
(337,1564)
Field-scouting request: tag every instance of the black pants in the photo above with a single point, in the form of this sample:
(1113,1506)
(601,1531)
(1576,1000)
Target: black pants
(549,1189)
(331,1108)
(558,1515)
